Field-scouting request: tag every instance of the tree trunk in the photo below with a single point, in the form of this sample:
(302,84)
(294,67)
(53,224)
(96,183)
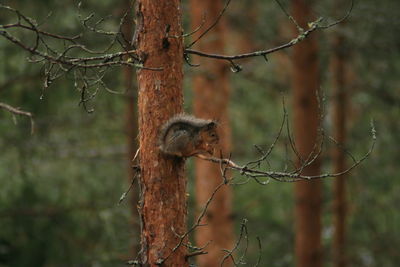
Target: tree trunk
(339,124)
(241,32)
(211,94)
(163,185)
(306,123)
(131,128)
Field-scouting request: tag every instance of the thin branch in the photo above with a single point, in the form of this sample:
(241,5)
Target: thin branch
(196,253)
(125,194)
(229,253)
(289,16)
(259,252)
(81,62)
(346,16)
(265,155)
(312,26)
(212,25)
(195,225)
(53,35)
(203,21)
(289,176)
(17,111)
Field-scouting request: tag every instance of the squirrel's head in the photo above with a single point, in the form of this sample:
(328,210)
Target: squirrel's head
(209,137)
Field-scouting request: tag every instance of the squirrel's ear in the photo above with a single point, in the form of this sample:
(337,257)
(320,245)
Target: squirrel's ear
(211,125)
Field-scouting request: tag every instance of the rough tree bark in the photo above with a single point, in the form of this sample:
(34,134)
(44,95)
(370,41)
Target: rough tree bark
(339,124)
(211,98)
(306,123)
(163,185)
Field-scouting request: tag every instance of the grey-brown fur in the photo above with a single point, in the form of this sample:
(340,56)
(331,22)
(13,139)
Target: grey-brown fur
(185,135)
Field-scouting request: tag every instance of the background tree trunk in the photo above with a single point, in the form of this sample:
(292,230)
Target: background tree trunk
(211,99)
(163,185)
(306,123)
(131,129)
(339,124)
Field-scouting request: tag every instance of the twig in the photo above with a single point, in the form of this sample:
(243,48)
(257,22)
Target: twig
(259,252)
(229,253)
(289,176)
(195,225)
(137,172)
(212,25)
(17,111)
(196,253)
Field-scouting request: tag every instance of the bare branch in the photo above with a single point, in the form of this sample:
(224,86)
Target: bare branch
(259,252)
(229,253)
(289,16)
(346,16)
(312,27)
(196,253)
(75,56)
(303,34)
(294,176)
(265,155)
(203,21)
(212,25)
(196,224)
(17,111)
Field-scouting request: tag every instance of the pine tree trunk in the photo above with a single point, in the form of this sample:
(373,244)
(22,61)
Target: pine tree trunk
(211,99)
(339,122)
(306,123)
(163,185)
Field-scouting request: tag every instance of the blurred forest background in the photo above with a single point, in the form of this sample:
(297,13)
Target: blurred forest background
(59,188)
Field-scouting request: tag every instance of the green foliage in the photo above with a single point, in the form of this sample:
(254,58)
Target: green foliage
(60,187)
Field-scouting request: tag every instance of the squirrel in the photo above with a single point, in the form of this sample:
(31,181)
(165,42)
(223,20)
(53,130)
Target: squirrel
(185,136)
